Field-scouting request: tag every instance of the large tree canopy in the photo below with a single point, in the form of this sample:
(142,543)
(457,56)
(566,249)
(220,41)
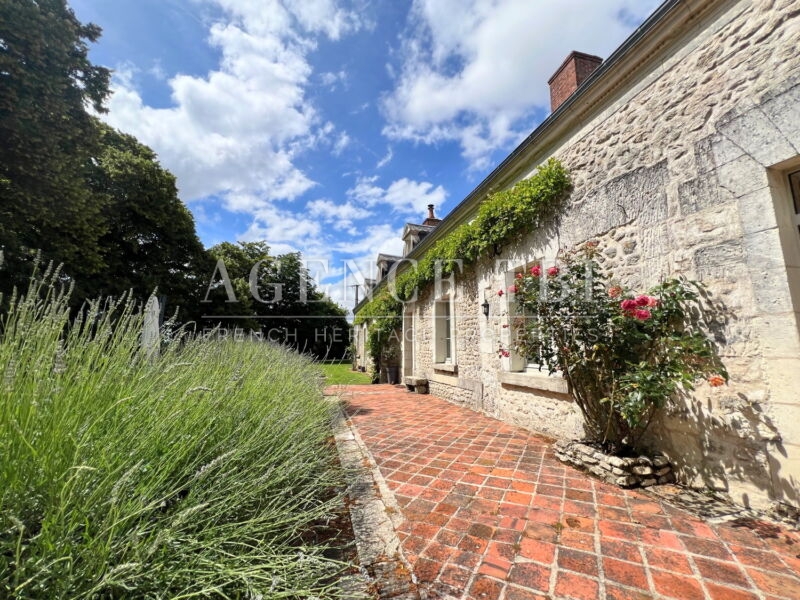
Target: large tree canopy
(150,240)
(98,202)
(276,296)
(46,81)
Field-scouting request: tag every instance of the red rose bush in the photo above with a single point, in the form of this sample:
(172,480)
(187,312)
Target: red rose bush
(624,355)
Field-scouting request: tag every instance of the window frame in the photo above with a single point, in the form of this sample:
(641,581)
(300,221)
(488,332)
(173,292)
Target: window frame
(516,362)
(444,347)
(517,370)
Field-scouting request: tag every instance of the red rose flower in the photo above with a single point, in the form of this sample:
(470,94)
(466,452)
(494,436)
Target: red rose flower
(553,271)
(500,292)
(512,289)
(628,305)
(519,275)
(642,314)
(642,300)
(653,302)
(536,271)
(716,381)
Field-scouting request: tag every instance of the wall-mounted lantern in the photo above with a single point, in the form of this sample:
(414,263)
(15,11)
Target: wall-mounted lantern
(485,307)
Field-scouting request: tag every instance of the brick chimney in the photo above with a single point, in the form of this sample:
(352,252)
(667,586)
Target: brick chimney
(570,75)
(431,220)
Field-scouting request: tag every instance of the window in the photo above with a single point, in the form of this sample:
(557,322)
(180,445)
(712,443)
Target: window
(443,329)
(794,183)
(518,370)
(517,318)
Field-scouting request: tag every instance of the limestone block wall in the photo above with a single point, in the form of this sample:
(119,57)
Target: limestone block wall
(681,172)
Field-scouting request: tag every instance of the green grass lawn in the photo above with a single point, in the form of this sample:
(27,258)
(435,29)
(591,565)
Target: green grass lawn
(343,374)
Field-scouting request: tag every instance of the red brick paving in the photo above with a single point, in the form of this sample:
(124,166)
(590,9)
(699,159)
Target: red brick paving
(491,514)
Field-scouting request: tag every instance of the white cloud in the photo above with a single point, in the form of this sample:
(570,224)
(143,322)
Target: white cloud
(240,128)
(376,239)
(386,159)
(157,71)
(330,79)
(341,216)
(284,231)
(403,195)
(342,142)
(472,70)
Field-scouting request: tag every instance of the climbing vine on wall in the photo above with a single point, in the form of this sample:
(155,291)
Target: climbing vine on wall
(504,217)
(384,315)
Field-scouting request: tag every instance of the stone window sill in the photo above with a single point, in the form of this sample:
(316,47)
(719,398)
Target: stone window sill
(450,368)
(536,381)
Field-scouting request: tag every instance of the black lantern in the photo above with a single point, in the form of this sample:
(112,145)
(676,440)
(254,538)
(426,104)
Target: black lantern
(485,307)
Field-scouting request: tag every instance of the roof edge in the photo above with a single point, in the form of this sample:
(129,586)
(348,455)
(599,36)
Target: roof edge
(667,15)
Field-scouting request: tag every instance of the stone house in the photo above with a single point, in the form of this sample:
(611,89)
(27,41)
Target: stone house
(684,151)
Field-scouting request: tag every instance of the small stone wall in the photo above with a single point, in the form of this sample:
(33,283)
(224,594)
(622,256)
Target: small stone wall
(641,471)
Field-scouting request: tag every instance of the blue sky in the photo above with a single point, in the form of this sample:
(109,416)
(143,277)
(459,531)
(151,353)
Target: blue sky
(325,125)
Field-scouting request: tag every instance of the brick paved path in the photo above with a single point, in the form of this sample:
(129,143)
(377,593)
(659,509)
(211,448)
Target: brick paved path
(490,513)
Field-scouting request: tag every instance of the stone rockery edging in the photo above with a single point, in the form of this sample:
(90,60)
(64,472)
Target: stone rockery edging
(628,472)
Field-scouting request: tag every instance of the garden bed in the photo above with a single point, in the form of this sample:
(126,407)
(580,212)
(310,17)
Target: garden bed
(627,472)
(203,470)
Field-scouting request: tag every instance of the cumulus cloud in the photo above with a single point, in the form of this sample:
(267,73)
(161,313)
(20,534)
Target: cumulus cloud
(403,195)
(473,70)
(240,128)
(285,230)
(341,216)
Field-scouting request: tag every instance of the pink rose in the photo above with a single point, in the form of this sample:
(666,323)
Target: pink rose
(642,314)
(512,289)
(628,305)
(536,271)
(653,302)
(553,271)
(519,275)
(499,292)
(642,300)
(615,292)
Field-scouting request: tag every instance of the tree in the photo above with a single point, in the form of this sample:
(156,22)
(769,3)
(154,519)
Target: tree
(274,295)
(150,240)
(46,81)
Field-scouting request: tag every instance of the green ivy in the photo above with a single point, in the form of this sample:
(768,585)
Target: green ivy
(504,217)
(384,315)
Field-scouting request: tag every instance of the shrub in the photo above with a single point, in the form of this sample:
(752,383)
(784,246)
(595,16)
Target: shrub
(199,473)
(623,355)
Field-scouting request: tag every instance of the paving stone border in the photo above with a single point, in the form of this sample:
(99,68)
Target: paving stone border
(384,571)
(630,472)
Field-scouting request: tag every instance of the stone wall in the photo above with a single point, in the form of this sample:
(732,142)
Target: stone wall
(678,173)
